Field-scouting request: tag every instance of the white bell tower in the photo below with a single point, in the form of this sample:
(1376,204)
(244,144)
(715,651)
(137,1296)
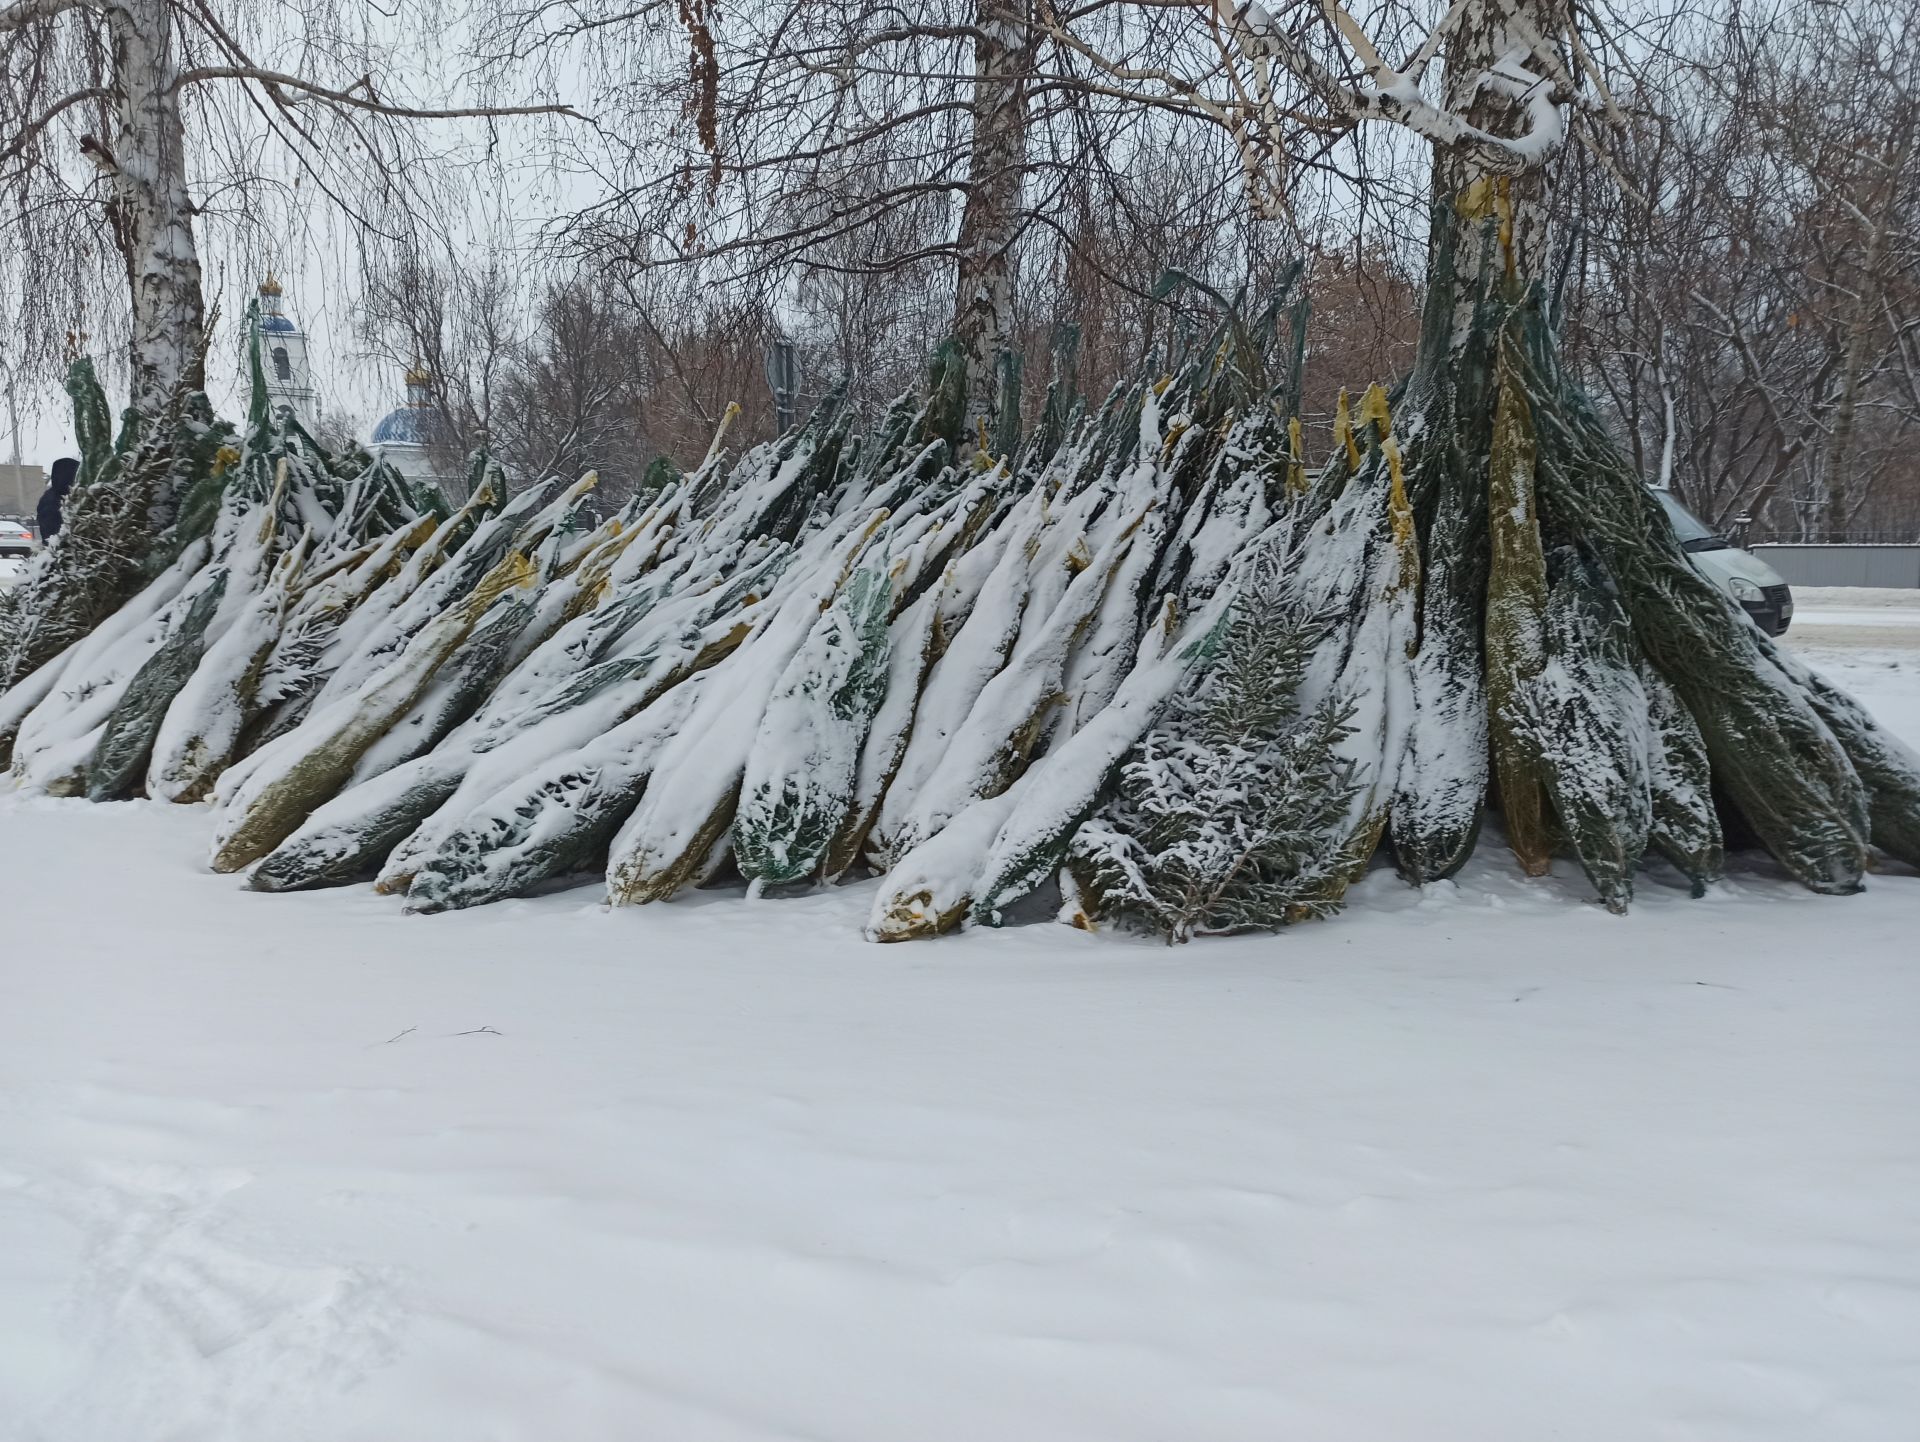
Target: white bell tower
(283,354)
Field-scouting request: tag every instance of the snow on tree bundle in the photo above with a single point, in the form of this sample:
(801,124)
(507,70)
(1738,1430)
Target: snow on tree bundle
(1145,654)
(912,642)
(349,835)
(56,738)
(682,827)
(246,558)
(983,621)
(1770,752)
(1442,788)
(232,525)
(441,573)
(1236,810)
(991,819)
(930,889)
(120,756)
(530,720)
(1684,827)
(560,817)
(567,691)
(798,784)
(310,763)
(460,684)
(571,580)
(993,744)
(1360,566)
(1037,833)
(204,727)
(138,501)
(1583,716)
(1887,766)
(339,625)
(649,598)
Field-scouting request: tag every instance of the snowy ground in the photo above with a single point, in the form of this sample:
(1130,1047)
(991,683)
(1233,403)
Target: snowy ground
(1854,618)
(1484,1164)
(1867,639)
(1853,598)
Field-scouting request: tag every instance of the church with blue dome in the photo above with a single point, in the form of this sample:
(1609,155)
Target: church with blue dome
(415,438)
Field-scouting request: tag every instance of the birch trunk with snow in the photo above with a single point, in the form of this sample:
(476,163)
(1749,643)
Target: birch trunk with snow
(151,212)
(1496,124)
(989,224)
(1497,202)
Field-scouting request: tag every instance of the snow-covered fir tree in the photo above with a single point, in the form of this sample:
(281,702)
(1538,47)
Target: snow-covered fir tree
(1231,812)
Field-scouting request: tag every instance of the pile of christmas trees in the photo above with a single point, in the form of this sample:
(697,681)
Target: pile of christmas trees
(1144,657)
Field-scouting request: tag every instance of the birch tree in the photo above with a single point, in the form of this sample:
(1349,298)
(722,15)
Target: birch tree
(114,114)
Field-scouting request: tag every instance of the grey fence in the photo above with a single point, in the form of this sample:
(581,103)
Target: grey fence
(1843,565)
(20,488)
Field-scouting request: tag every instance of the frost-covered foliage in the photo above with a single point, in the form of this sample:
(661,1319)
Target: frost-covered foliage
(1147,656)
(1232,813)
(799,778)
(1583,717)
(139,499)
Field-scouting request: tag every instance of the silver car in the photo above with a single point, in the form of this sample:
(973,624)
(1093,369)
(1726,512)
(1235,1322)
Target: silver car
(16,540)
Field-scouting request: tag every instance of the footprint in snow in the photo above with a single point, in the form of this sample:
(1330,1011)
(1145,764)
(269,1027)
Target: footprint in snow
(190,1333)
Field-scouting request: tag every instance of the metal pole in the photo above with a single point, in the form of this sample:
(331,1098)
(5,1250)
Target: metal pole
(783,379)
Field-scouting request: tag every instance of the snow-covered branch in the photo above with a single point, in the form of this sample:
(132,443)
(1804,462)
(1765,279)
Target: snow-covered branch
(1396,96)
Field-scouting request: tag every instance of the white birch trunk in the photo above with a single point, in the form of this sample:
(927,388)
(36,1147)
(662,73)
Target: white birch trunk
(1488,33)
(150,210)
(983,299)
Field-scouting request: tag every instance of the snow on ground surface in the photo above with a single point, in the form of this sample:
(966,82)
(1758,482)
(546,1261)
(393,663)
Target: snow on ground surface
(1481,1164)
(1851,629)
(1855,598)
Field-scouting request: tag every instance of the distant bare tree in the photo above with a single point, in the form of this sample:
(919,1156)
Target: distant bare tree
(787,138)
(463,323)
(573,397)
(1753,320)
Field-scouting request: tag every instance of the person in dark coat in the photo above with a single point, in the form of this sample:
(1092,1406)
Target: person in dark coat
(54,500)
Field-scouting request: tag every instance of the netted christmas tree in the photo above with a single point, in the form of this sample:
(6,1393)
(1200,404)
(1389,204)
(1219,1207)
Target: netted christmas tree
(1150,664)
(1231,814)
(140,498)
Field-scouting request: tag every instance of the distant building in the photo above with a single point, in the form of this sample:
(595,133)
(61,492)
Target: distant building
(415,439)
(283,354)
(20,488)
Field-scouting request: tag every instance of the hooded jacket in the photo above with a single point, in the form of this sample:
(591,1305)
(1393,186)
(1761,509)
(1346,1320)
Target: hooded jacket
(53,501)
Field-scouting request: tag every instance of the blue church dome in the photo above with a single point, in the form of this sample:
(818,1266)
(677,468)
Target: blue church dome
(276,322)
(408,426)
(418,422)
